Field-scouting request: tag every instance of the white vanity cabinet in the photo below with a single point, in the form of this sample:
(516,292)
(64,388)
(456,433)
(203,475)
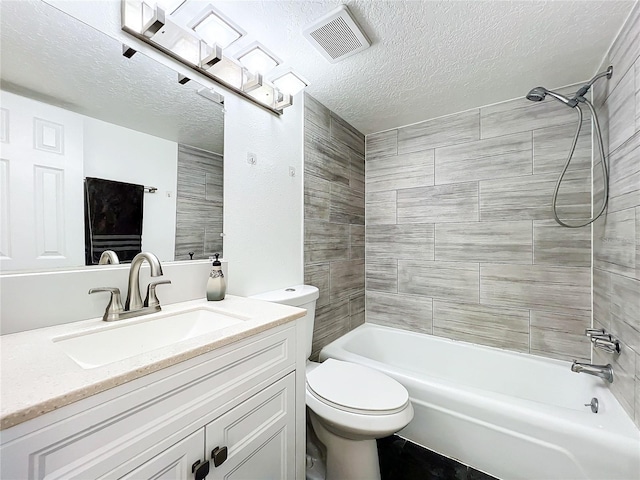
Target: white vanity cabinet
(245,399)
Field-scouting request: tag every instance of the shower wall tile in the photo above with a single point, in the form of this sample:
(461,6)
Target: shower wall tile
(318,276)
(317,114)
(407,242)
(401,311)
(334,232)
(624,179)
(551,148)
(356,171)
(497,250)
(529,197)
(621,111)
(357,241)
(495,327)
(560,336)
(325,159)
(484,159)
(400,171)
(325,242)
(346,135)
(331,322)
(602,298)
(625,309)
(382,275)
(495,242)
(450,130)
(522,115)
(444,280)
(381,207)
(356,311)
(440,203)
(383,144)
(557,245)
(346,278)
(317,198)
(614,242)
(347,205)
(536,287)
(624,51)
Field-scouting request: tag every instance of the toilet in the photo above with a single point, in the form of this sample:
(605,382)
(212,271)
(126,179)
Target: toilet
(350,405)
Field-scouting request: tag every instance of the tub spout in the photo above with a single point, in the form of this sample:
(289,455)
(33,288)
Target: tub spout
(602,371)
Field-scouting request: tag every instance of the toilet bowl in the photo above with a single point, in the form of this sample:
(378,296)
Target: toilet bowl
(350,405)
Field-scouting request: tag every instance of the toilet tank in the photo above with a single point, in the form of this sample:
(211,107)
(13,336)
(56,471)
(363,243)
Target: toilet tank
(301,296)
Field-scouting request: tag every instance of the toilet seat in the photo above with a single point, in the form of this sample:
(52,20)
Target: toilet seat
(356,389)
(337,396)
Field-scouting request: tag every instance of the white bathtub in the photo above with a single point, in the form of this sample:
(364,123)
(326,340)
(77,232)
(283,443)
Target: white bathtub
(510,415)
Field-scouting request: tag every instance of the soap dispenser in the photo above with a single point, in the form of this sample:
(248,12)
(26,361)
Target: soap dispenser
(216,285)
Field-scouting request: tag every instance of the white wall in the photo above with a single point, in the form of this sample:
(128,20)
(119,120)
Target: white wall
(263,206)
(117,153)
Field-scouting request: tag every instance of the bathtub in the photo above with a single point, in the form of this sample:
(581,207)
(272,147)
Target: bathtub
(511,415)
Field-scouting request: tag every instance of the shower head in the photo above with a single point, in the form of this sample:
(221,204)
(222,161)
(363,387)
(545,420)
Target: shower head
(539,93)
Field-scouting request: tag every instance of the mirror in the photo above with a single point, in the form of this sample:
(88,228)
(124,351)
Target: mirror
(74,107)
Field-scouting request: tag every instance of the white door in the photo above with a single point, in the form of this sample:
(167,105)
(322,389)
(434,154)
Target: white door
(259,435)
(175,463)
(41,185)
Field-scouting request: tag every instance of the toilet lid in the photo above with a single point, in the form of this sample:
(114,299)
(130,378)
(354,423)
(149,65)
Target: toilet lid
(355,387)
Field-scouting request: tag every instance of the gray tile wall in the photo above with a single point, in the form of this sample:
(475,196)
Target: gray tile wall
(460,237)
(199,200)
(334,218)
(616,236)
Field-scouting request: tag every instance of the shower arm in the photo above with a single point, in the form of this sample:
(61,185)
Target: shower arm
(585,88)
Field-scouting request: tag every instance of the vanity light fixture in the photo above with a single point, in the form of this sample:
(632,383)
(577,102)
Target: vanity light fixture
(257,59)
(216,29)
(169,6)
(198,43)
(290,83)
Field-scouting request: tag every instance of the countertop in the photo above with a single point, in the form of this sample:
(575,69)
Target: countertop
(38,377)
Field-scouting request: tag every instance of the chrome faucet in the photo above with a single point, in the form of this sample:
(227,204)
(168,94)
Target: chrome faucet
(602,371)
(109,257)
(134,306)
(134,299)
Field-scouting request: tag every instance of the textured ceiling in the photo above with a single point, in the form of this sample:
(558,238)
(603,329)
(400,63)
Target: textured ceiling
(433,58)
(51,57)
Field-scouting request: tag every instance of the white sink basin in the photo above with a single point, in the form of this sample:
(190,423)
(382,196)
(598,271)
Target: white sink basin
(128,338)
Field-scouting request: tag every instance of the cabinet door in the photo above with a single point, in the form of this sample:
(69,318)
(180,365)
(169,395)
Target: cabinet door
(259,435)
(174,463)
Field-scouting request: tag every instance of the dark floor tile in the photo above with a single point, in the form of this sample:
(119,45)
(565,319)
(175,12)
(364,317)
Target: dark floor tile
(403,460)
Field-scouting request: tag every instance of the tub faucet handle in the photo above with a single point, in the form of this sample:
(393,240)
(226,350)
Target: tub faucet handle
(590,332)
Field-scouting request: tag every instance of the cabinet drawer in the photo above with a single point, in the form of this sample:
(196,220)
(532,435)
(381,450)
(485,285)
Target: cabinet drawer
(143,422)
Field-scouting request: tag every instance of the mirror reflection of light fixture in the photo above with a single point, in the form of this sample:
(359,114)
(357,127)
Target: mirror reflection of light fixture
(257,59)
(214,28)
(290,83)
(198,43)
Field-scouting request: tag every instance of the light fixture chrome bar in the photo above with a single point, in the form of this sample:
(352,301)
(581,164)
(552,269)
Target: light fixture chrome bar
(282,100)
(250,81)
(155,23)
(209,58)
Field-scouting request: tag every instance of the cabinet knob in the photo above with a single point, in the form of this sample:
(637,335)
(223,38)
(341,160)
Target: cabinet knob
(200,470)
(219,455)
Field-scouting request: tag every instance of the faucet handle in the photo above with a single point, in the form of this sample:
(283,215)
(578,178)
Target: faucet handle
(114,307)
(589,332)
(151,300)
